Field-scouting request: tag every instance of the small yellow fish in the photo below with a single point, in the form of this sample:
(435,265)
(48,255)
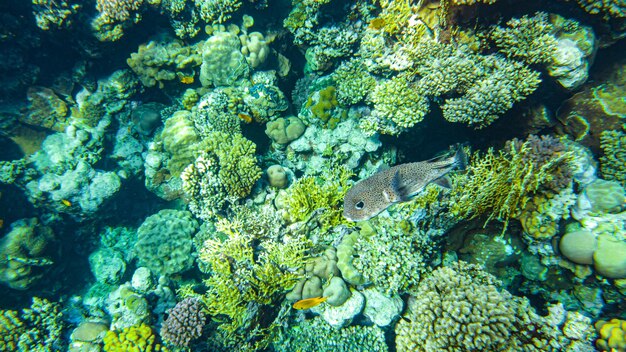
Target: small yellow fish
(185,79)
(309,302)
(66,202)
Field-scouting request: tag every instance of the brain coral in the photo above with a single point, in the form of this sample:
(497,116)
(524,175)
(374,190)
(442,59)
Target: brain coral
(461,308)
(164,242)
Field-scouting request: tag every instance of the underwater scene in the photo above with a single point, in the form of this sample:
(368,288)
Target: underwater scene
(312,175)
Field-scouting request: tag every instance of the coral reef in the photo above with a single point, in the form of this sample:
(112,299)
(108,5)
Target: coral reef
(316,334)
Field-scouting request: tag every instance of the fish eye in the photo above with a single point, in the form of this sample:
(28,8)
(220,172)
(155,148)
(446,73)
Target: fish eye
(359,205)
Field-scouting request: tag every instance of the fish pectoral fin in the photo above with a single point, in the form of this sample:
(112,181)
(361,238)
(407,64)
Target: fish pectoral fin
(403,191)
(443,181)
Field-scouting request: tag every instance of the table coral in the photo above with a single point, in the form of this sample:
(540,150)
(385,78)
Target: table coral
(461,307)
(164,241)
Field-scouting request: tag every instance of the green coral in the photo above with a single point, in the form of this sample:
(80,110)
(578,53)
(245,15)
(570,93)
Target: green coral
(315,334)
(398,106)
(613,160)
(322,105)
(164,242)
(353,82)
(527,38)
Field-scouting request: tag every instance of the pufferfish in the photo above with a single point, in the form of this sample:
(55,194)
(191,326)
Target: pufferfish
(368,197)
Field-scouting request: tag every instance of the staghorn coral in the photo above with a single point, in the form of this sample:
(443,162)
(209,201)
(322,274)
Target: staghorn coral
(613,160)
(527,38)
(184,322)
(502,84)
(353,82)
(54,14)
(391,255)
(225,170)
(609,9)
(461,308)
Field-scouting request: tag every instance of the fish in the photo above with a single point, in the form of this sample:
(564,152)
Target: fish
(369,197)
(185,79)
(309,302)
(66,202)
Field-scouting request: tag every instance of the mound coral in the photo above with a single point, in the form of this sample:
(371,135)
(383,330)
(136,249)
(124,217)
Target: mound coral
(164,241)
(612,335)
(461,308)
(184,322)
(138,338)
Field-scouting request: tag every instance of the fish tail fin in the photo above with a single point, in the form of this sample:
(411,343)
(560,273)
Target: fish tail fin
(460,158)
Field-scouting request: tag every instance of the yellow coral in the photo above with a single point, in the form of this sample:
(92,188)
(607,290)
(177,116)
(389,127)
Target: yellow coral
(612,335)
(139,338)
(500,184)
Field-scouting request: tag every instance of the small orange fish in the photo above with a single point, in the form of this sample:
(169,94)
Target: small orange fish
(66,202)
(309,303)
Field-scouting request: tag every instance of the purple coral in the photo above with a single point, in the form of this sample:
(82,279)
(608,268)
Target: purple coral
(184,323)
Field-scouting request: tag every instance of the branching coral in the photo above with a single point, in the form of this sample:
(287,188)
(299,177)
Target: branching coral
(500,184)
(38,328)
(321,196)
(54,14)
(398,105)
(353,82)
(392,255)
(244,276)
(530,39)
